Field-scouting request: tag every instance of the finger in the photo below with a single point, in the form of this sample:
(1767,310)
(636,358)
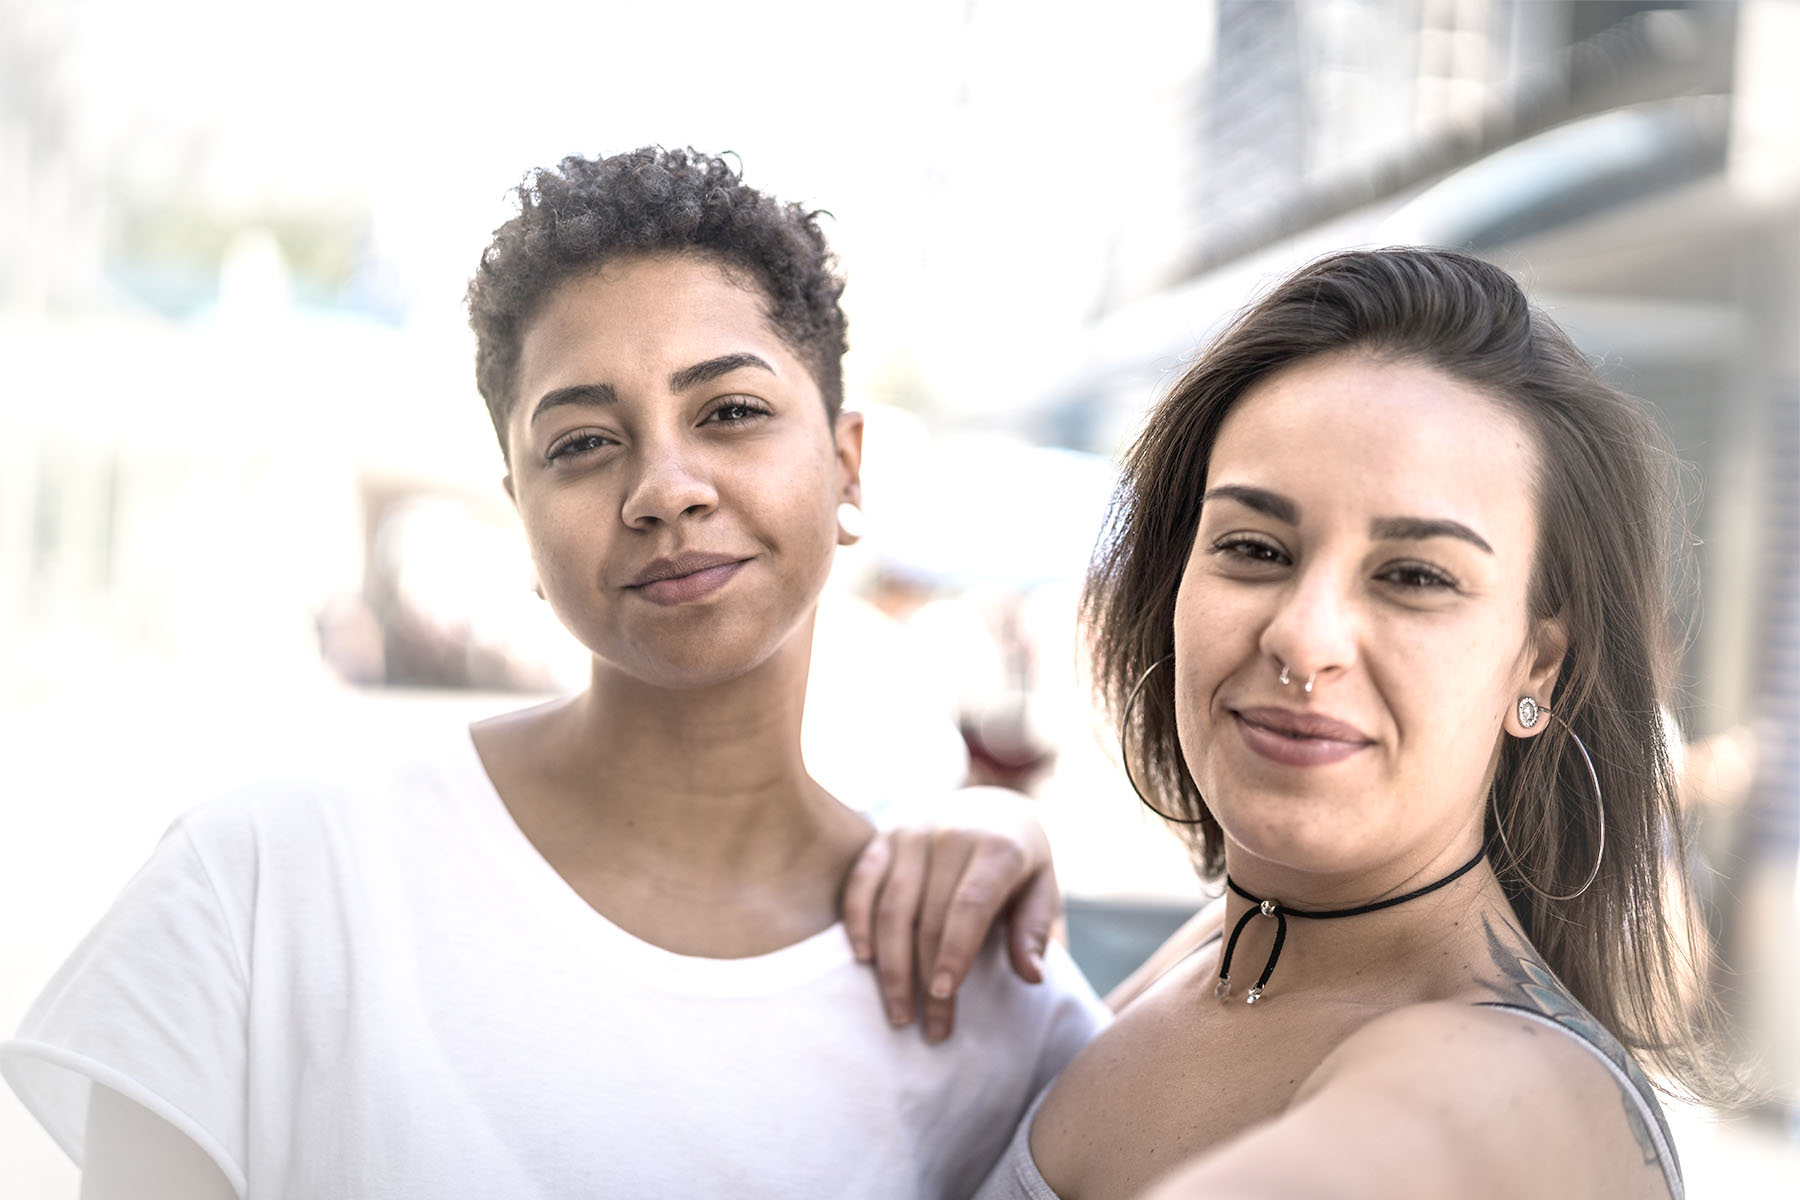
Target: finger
(939,1018)
(994,870)
(896,914)
(951,852)
(1033,915)
(950,855)
(861,887)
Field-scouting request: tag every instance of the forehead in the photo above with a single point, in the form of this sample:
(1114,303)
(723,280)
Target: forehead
(644,314)
(1357,434)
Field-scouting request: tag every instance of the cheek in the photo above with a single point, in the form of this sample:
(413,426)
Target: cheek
(795,503)
(1445,695)
(558,530)
(1211,642)
(1216,627)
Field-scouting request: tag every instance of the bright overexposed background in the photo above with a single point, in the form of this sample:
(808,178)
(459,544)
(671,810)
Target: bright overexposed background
(249,497)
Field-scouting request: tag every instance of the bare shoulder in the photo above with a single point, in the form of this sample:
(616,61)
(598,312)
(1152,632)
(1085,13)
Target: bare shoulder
(519,748)
(1488,1101)
(1423,1045)
(520,727)
(1439,1099)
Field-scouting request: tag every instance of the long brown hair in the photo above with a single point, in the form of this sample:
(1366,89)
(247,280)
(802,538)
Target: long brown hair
(1607,500)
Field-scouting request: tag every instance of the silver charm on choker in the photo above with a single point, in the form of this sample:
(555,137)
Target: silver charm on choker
(1280,912)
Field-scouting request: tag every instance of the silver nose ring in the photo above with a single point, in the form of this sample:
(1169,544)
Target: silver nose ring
(1286,678)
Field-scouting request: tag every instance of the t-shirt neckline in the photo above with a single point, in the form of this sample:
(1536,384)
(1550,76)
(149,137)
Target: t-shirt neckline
(778,970)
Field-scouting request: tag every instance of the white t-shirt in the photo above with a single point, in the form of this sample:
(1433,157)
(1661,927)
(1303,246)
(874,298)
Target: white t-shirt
(371,985)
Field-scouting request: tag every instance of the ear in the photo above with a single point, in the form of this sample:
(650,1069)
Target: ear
(1549,645)
(507,487)
(847,434)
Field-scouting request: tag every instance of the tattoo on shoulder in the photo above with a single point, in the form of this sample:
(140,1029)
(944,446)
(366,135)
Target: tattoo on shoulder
(1525,981)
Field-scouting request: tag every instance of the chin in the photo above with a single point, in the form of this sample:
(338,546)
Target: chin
(681,673)
(697,660)
(1303,833)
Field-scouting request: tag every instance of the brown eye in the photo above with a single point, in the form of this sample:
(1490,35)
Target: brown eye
(1250,550)
(736,411)
(1420,576)
(577,444)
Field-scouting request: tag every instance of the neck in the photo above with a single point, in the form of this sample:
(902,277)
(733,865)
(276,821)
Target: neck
(1349,932)
(706,782)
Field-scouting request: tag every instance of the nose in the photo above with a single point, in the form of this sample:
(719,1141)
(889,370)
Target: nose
(669,480)
(1313,630)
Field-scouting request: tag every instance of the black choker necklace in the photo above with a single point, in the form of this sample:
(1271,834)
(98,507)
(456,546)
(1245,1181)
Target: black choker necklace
(1273,908)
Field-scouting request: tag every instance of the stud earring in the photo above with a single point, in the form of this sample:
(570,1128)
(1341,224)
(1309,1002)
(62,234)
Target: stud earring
(1307,688)
(1283,678)
(1528,712)
(852,524)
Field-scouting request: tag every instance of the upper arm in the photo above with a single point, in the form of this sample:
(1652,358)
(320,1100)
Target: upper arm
(130,1152)
(1442,1100)
(1183,942)
(153,1002)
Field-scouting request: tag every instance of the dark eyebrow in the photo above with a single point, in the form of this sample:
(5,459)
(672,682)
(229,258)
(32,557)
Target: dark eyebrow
(1409,529)
(1420,528)
(712,368)
(1265,502)
(593,394)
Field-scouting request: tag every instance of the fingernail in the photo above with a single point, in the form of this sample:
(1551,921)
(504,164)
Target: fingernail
(899,1015)
(936,1031)
(942,984)
(860,951)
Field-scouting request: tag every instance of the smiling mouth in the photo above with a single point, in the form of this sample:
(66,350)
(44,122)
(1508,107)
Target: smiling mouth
(685,578)
(692,562)
(1298,739)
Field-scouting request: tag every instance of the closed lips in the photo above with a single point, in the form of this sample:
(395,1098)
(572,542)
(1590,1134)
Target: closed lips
(679,565)
(1300,726)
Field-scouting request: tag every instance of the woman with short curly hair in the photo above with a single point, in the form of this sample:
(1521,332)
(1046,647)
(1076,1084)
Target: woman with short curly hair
(591,948)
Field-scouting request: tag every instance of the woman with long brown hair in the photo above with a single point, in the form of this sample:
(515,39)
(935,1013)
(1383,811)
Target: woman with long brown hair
(1382,615)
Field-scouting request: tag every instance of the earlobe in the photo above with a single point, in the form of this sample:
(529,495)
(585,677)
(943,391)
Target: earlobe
(1550,646)
(507,485)
(1526,719)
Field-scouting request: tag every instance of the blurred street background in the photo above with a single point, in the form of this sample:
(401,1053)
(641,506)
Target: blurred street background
(249,497)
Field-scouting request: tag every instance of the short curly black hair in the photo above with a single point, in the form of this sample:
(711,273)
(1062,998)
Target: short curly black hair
(585,212)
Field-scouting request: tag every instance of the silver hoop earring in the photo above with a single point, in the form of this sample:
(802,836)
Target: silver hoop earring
(1528,712)
(1125,754)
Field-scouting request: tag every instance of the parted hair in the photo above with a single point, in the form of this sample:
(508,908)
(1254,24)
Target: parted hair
(585,212)
(1606,488)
